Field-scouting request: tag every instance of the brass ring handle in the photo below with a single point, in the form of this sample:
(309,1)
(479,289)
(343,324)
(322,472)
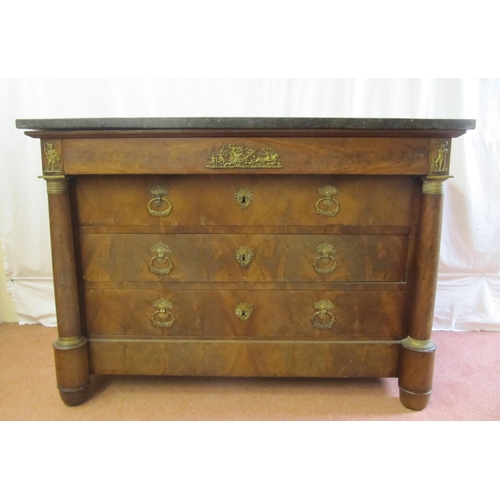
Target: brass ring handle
(327,252)
(162,318)
(161,258)
(328,200)
(323,319)
(159,193)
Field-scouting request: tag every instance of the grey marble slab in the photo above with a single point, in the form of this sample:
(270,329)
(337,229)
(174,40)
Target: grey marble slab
(243,123)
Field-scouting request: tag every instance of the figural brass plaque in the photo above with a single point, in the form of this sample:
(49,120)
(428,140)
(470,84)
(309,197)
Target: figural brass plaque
(234,156)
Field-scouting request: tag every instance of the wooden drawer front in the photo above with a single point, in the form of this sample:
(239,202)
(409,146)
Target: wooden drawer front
(239,358)
(295,155)
(275,314)
(273,200)
(175,258)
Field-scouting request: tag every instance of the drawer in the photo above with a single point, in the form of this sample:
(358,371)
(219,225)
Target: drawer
(250,314)
(243,358)
(254,258)
(286,155)
(252,200)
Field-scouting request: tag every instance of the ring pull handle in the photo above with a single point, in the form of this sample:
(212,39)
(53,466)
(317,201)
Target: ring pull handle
(326,262)
(323,318)
(160,193)
(328,192)
(162,318)
(161,259)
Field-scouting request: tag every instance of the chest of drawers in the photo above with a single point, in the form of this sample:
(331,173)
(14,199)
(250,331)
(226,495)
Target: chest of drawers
(245,247)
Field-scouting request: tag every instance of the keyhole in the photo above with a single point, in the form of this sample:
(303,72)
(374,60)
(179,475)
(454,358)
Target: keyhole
(242,257)
(243,199)
(243,313)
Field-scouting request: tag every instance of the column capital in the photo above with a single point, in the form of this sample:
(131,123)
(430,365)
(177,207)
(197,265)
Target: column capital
(434,184)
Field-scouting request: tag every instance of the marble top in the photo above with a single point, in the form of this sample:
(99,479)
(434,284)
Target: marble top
(243,123)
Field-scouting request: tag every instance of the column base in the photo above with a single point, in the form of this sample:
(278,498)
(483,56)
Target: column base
(416,368)
(72,369)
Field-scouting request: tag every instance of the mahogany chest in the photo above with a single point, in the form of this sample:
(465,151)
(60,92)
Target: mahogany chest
(247,247)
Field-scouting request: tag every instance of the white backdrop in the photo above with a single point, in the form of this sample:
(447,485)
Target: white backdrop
(468,296)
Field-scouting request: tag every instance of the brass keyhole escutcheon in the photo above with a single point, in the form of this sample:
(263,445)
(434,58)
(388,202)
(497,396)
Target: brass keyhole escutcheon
(244,197)
(328,192)
(159,201)
(244,256)
(243,310)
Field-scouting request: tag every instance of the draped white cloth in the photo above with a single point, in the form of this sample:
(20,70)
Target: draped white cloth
(468,294)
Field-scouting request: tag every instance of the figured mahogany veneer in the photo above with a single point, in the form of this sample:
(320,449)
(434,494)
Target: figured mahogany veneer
(261,251)
(279,258)
(278,200)
(299,155)
(282,314)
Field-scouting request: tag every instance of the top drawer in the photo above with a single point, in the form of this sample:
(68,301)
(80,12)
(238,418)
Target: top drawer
(252,200)
(237,155)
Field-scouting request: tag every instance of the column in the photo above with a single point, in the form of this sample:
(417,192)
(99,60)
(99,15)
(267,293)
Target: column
(416,364)
(70,349)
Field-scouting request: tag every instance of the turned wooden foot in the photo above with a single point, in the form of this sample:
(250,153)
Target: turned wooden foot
(413,401)
(416,368)
(72,369)
(74,397)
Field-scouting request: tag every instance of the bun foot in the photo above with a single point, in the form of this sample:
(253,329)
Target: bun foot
(413,401)
(74,397)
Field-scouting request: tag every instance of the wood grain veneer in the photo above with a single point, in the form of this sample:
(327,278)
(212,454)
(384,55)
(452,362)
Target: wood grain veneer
(278,200)
(276,314)
(380,156)
(277,258)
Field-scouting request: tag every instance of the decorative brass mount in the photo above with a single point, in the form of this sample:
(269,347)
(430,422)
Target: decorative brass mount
(244,197)
(162,318)
(244,256)
(327,253)
(418,345)
(439,163)
(53,158)
(68,343)
(160,193)
(56,184)
(323,319)
(161,249)
(243,310)
(434,184)
(233,156)
(328,192)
